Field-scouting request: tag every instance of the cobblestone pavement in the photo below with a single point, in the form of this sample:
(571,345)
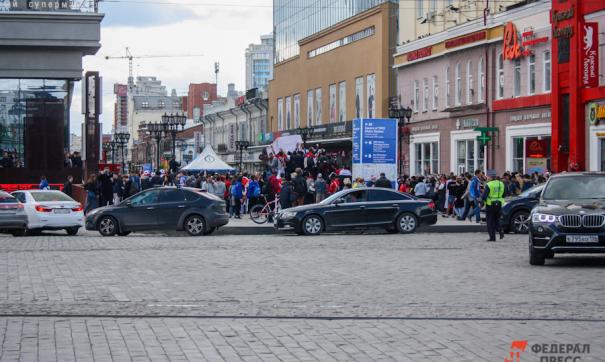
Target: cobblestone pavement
(420,297)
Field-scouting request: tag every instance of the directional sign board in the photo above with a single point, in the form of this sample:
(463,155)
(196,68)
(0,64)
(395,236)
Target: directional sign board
(375,148)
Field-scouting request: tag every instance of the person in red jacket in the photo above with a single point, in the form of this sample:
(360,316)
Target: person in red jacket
(334,186)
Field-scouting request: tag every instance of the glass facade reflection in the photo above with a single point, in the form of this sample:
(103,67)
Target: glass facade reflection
(297,19)
(34,122)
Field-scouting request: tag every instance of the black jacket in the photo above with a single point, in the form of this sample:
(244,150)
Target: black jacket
(68,189)
(383,182)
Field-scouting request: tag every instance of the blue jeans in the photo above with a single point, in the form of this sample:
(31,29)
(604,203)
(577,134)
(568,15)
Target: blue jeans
(91,202)
(476,210)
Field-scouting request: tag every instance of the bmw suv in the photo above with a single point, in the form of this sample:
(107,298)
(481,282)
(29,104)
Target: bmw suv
(570,217)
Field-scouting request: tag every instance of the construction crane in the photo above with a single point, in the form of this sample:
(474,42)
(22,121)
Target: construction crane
(130,57)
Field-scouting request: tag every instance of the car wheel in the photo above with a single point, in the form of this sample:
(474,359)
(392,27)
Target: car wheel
(195,225)
(520,222)
(72,231)
(210,231)
(257,215)
(19,232)
(312,225)
(535,257)
(407,223)
(108,226)
(124,233)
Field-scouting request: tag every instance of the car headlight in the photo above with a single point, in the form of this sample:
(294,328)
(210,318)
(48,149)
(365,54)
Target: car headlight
(544,218)
(287,214)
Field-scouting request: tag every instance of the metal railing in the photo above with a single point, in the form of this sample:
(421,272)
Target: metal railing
(58,6)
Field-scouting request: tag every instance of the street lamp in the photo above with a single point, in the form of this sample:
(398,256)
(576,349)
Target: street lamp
(305,133)
(122,138)
(157,131)
(241,146)
(172,124)
(401,115)
(112,145)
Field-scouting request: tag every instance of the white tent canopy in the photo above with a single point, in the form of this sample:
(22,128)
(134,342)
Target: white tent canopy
(208,160)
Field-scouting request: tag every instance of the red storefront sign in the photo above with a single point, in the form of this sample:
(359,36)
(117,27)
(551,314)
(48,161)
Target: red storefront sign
(535,148)
(420,53)
(589,55)
(466,39)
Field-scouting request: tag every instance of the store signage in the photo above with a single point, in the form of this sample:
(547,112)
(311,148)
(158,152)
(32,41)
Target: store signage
(333,129)
(589,55)
(375,148)
(467,39)
(538,165)
(420,53)
(512,49)
(560,15)
(18,187)
(467,123)
(47,5)
(596,113)
(535,148)
(566,32)
(427,127)
(232,136)
(530,116)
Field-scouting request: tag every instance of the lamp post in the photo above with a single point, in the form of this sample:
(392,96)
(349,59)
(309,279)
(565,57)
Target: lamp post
(112,146)
(401,115)
(173,123)
(157,131)
(106,149)
(122,138)
(241,145)
(305,133)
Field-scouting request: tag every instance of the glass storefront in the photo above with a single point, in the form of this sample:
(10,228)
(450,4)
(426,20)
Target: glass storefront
(469,156)
(426,158)
(34,122)
(521,154)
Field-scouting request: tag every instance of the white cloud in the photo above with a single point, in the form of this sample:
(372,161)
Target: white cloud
(221,34)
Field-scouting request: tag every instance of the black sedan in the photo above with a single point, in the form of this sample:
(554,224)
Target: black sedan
(515,212)
(360,208)
(163,208)
(13,218)
(570,217)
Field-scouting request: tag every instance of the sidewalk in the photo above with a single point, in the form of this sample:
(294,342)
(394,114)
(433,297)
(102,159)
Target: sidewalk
(245,226)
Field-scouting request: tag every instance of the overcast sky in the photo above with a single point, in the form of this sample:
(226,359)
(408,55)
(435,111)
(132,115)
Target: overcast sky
(219,29)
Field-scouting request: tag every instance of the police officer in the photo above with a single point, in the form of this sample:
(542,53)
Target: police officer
(494,199)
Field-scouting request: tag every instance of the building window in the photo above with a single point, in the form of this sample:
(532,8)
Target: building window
(469,156)
(546,70)
(520,155)
(416,95)
(144,104)
(426,158)
(419,8)
(500,93)
(517,78)
(447,87)
(342,101)
(435,93)
(469,82)
(531,74)
(458,85)
(481,87)
(206,96)
(342,42)
(425,95)
(161,104)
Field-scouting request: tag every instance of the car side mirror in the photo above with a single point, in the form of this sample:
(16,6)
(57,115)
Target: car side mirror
(128,203)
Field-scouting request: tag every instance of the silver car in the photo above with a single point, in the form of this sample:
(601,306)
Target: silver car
(13,218)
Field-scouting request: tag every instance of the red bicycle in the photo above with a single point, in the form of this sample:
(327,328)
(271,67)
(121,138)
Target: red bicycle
(260,213)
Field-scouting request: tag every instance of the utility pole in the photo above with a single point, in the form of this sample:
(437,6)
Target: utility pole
(216,70)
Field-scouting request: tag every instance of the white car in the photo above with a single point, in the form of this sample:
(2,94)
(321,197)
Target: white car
(51,210)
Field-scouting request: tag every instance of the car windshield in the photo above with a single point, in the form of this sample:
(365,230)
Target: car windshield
(50,196)
(7,198)
(586,187)
(532,190)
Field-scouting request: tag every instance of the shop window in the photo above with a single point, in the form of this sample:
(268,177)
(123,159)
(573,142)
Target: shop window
(470,156)
(521,154)
(427,158)
(481,87)
(547,73)
(419,8)
(531,74)
(517,78)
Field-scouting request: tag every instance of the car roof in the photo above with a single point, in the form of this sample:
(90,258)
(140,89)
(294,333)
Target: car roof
(585,173)
(4,193)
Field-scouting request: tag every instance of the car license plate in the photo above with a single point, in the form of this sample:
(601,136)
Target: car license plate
(582,238)
(61,211)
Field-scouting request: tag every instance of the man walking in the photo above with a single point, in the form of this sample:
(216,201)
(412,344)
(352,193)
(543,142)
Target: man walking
(475,196)
(494,199)
(383,181)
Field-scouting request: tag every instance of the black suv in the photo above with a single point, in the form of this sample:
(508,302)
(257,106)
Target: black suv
(570,217)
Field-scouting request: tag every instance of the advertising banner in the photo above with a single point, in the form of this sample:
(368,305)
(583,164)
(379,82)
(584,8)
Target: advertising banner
(375,148)
(296,110)
(342,102)
(359,100)
(288,112)
(318,115)
(333,103)
(371,95)
(589,55)
(538,165)
(309,108)
(536,148)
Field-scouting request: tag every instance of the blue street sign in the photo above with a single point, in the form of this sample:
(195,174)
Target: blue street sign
(375,148)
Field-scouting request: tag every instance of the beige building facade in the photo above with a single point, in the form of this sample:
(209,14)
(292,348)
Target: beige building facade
(341,73)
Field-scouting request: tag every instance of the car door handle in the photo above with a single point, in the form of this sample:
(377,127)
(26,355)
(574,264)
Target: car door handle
(181,206)
(362,207)
(151,208)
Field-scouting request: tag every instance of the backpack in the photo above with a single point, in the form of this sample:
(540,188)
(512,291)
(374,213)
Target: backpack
(300,186)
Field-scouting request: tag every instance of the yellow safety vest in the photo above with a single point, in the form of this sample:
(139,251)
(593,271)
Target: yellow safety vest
(496,192)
